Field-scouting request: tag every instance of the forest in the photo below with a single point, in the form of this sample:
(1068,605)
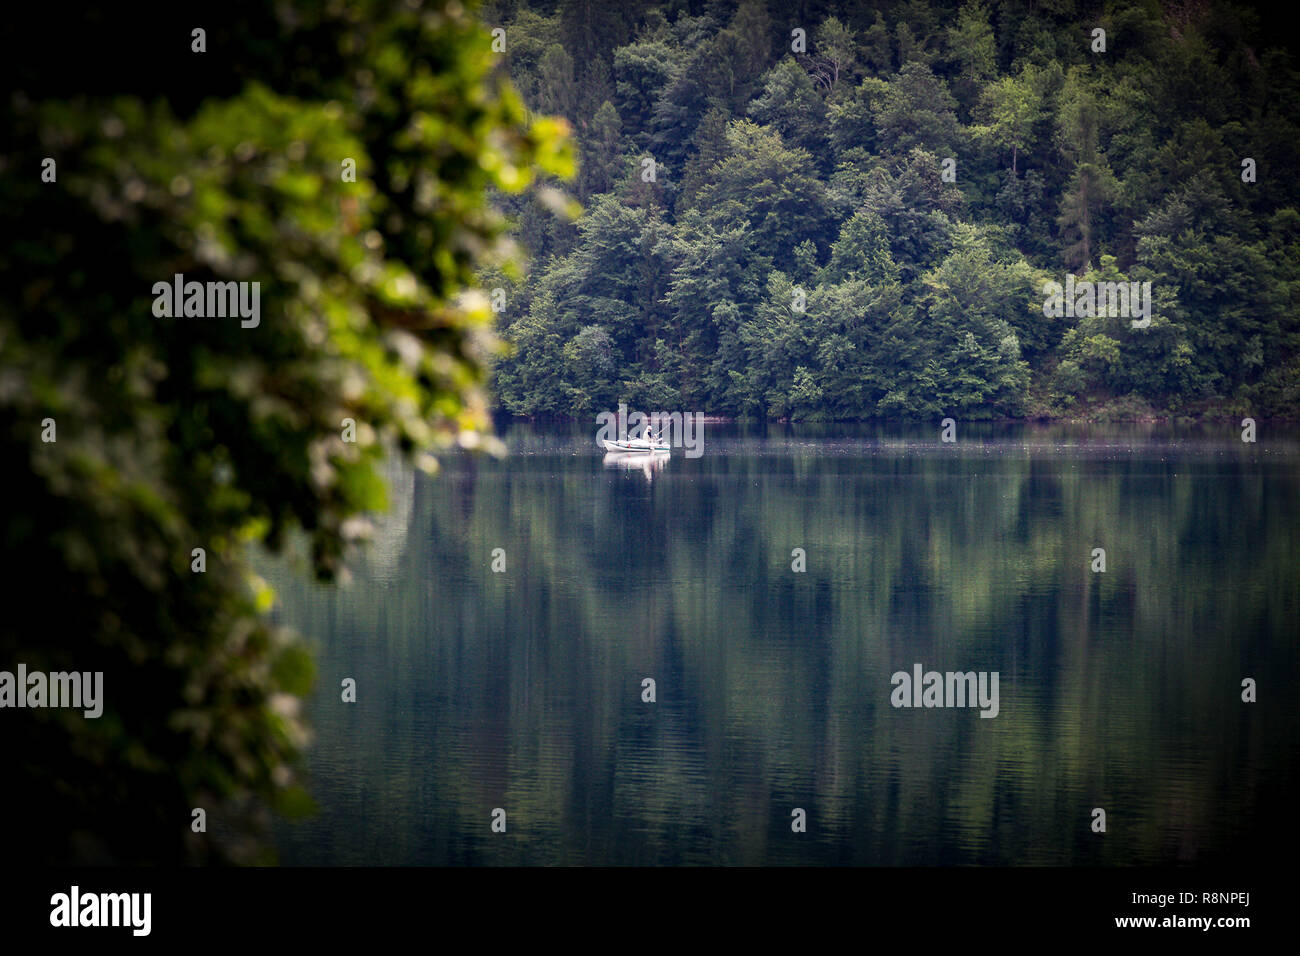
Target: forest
(849,211)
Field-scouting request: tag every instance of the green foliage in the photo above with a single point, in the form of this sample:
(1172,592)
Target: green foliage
(790,105)
(602,156)
(183,433)
(916,110)
(642,70)
(1013,106)
(974,49)
(822,170)
(768,185)
(834,59)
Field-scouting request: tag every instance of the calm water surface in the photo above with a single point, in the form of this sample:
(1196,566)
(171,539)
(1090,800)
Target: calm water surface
(522,690)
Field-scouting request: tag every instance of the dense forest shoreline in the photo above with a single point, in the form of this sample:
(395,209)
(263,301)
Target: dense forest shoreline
(849,211)
(1110,414)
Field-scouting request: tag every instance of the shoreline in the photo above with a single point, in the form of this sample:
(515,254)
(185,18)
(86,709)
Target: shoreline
(1166,419)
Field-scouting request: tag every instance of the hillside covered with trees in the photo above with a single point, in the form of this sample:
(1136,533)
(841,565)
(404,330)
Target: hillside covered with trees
(856,220)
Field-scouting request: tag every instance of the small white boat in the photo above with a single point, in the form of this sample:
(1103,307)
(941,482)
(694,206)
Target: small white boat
(636,446)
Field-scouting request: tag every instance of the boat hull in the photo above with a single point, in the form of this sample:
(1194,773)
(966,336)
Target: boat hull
(633,447)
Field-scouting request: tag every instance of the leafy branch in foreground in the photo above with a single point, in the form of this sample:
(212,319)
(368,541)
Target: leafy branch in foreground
(174,434)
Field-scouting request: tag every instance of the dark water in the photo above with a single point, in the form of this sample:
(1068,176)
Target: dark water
(522,690)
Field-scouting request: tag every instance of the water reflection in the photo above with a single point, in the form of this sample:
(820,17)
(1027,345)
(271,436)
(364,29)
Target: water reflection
(524,689)
(645,462)
(388,540)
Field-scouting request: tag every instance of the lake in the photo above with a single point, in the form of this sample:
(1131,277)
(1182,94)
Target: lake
(523,689)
